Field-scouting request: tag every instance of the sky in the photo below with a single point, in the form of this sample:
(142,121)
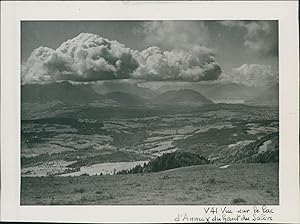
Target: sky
(237,50)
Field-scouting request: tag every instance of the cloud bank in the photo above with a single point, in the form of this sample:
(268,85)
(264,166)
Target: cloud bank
(252,75)
(260,36)
(196,65)
(89,57)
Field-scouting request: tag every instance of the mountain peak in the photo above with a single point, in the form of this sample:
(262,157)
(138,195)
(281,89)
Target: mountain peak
(183,96)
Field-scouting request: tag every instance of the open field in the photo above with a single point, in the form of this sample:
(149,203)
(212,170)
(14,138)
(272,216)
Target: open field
(71,158)
(220,133)
(202,185)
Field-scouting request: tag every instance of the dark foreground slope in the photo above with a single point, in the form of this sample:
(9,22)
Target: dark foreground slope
(203,185)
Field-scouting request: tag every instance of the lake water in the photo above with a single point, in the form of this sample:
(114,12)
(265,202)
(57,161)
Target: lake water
(105,168)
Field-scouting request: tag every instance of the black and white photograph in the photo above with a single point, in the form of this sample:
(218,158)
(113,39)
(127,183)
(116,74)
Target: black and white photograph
(156,112)
(149,112)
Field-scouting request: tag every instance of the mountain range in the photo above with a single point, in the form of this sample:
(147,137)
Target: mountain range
(64,92)
(130,94)
(83,94)
(182,96)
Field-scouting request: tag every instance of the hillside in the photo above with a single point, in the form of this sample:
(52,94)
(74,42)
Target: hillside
(168,161)
(61,91)
(216,91)
(182,96)
(203,185)
(124,87)
(125,99)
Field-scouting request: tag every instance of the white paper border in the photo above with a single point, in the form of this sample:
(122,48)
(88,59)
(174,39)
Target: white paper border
(13,12)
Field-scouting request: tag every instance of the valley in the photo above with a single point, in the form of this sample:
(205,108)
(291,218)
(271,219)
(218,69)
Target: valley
(110,135)
(218,134)
(155,112)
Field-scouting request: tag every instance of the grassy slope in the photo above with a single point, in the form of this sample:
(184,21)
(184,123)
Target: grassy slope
(205,184)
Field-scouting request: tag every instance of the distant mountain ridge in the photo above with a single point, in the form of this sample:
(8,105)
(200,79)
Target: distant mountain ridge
(61,91)
(125,87)
(130,94)
(125,98)
(231,92)
(83,94)
(182,96)
(217,91)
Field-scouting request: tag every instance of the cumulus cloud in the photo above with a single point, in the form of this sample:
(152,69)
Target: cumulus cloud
(89,57)
(260,36)
(158,65)
(186,57)
(252,75)
(174,34)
